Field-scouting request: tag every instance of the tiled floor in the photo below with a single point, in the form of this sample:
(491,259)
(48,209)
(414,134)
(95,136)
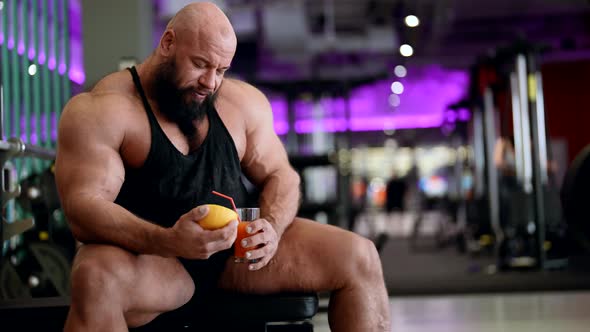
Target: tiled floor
(538,312)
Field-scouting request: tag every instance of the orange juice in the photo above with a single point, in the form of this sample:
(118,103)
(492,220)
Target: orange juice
(239,250)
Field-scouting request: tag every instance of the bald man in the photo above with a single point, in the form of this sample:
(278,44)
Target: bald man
(137,159)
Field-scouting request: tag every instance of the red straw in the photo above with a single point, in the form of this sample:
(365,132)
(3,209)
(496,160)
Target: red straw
(230,199)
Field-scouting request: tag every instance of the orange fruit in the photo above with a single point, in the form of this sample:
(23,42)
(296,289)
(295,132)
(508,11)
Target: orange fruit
(218,217)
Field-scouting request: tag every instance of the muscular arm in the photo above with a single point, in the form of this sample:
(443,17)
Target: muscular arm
(89,175)
(266,164)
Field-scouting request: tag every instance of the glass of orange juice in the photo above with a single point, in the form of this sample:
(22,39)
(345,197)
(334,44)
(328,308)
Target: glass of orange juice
(246,215)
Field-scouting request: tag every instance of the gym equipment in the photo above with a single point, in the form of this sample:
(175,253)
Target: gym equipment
(284,312)
(242,312)
(37,269)
(574,198)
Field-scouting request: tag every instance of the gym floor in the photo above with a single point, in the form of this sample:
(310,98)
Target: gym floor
(526,312)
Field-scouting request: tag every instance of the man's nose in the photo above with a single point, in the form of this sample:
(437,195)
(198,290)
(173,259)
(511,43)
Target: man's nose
(207,80)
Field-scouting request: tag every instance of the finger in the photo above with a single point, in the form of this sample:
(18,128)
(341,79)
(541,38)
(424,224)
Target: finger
(258,253)
(230,231)
(257,239)
(257,226)
(215,246)
(196,214)
(260,264)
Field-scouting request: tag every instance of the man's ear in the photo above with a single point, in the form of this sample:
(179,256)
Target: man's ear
(168,42)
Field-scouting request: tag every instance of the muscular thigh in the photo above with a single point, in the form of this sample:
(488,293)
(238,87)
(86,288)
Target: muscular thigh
(147,283)
(310,257)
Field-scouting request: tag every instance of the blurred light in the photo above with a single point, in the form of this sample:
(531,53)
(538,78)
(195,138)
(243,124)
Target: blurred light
(51,63)
(397,88)
(1,5)
(451,116)
(400,71)
(412,21)
(389,132)
(406,50)
(464,115)
(32,70)
(394,100)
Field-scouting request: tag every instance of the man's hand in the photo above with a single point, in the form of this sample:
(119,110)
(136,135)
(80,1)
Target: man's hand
(264,243)
(191,241)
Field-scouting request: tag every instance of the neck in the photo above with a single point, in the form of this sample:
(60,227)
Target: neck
(146,72)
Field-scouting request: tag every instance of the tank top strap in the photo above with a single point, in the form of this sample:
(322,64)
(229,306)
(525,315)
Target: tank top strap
(139,87)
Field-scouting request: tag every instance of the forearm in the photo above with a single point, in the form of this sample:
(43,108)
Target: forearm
(96,220)
(280,199)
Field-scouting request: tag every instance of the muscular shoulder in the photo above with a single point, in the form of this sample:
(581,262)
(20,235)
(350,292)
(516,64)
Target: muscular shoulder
(98,114)
(245,95)
(117,82)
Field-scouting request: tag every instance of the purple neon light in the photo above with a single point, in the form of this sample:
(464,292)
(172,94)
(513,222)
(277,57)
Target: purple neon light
(427,94)
(52,51)
(21,30)
(21,47)
(31,51)
(279,111)
(51,62)
(464,114)
(53,126)
(76,70)
(451,116)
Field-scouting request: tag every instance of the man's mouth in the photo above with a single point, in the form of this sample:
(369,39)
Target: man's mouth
(199,95)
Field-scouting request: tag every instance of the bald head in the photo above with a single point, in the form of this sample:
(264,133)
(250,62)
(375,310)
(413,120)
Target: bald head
(202,20)
(195,51)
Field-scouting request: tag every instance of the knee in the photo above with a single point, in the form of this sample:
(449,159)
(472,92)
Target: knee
(93,279)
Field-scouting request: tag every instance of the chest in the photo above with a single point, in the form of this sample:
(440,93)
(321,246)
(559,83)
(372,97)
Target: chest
(138,138)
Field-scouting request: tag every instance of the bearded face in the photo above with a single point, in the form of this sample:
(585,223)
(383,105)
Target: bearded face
(177,103)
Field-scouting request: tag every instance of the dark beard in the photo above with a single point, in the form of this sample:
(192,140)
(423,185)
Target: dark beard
(171,101)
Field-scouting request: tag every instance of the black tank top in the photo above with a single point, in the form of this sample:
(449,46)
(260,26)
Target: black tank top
(170,184)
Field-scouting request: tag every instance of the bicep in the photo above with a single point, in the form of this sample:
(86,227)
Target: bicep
(88,161)
(265,153)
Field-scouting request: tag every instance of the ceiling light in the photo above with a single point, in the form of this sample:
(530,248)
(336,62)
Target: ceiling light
(412,21)
(400,71)
(406,50)
(397,88)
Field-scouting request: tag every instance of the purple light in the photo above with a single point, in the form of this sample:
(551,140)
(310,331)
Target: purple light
(43,129)
(279,110)
(33,123)
(325,125)
(426,96)
(451,116)
(76,70)
(62,68)
(464,114)
(10,43)
(23,123)
(53,127)
(30,18)
(42,57)
(281,128)
(51,63)
(77,76)
(21,48)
